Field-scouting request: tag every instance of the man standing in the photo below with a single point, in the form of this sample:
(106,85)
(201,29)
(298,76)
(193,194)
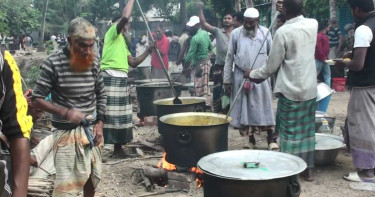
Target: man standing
(296,82)
(72,75)
(157,71)
(222,39)
(173,53)
(321,54)
(144,69)
(198,57)
(348,40)
(237,19)
(253,109)
(361,80)
(16,125)
(334,35)
(115,63)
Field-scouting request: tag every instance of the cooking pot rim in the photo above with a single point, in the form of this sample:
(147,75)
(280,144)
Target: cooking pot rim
(203,114)
(199,99)
(156,84)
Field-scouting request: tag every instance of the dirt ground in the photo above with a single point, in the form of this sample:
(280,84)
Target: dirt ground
(118,177)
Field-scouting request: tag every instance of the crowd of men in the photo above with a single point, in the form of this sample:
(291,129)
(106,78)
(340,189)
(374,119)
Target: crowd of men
(91,103)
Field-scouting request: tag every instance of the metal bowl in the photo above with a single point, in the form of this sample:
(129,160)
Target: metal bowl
(327,148)
(323,91)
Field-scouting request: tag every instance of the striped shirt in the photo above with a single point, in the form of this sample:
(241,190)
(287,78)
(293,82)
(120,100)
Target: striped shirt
(83,91)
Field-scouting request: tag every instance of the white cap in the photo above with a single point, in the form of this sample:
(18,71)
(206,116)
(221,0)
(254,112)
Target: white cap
(251,13)
(193,21)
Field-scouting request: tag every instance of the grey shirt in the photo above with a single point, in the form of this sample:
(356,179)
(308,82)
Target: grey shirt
(292,55)
(222,40)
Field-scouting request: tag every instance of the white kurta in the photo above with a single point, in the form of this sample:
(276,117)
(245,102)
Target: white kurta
(254,108)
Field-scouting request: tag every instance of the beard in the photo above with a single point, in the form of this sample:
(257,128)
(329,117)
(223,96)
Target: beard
(79,63)
(250,32)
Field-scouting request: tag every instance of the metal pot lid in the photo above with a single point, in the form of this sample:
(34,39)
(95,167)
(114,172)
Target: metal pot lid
(158,84)
(328,142)
(185,101)
(260,165)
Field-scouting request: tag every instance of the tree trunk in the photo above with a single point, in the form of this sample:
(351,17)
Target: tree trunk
(237,6)
(249,3)
(41,39)
(183,12)
(332,9)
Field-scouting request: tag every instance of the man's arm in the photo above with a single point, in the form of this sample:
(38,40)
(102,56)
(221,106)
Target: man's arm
(125,16)
(16,125)
(134,62)
(202,19)
(358,60)
(274,61)
(229,59)
(182,53)
(101,101)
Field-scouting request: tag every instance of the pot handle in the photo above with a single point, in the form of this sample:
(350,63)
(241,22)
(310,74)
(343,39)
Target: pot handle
(198,109)
(294,187)
(185,137)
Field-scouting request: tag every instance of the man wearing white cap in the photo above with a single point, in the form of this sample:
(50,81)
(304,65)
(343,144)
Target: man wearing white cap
(253,109)
(199,58)
(292,57)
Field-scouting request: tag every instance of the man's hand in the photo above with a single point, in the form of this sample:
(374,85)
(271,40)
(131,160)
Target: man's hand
(4,140)
(279,5)
(151,47)
(98,133)
(74,116)
(341,63)
(228,88)
(200,5)
(348,54)
(247,73)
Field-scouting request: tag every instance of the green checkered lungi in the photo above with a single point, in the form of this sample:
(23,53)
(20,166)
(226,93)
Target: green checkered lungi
(117,128)
(295,123)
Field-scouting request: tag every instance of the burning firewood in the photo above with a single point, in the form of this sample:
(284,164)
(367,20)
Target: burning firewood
(39,187)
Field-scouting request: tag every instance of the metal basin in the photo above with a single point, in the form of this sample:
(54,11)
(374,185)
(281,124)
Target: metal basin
(327,148)
(149,92)
(189,104)
(187,137)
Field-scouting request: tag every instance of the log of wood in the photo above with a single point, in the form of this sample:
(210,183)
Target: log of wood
(133,159)
(155,173)
(151,145)
(146,181)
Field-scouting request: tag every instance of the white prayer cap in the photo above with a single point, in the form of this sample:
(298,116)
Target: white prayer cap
(251,13)
(193,21)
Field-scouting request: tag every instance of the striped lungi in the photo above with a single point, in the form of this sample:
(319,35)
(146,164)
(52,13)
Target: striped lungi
(117,128)
(75,162)
(361,126)
(201,80)
(295,123)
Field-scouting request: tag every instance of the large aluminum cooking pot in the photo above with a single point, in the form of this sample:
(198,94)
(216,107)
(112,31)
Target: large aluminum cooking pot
(327,148)
(323,90)
(189,104)
(245,173)
(149,92)
(187,137)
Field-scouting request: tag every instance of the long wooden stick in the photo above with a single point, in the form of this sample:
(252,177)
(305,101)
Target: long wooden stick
(133,159)
(161,192)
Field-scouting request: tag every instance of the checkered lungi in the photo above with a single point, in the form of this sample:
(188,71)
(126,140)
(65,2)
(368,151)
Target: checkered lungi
(295,123)
(117,128)
(201,80)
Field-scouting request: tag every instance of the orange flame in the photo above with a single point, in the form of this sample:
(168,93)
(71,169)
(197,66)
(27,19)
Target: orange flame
(171,167)
(165,165)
